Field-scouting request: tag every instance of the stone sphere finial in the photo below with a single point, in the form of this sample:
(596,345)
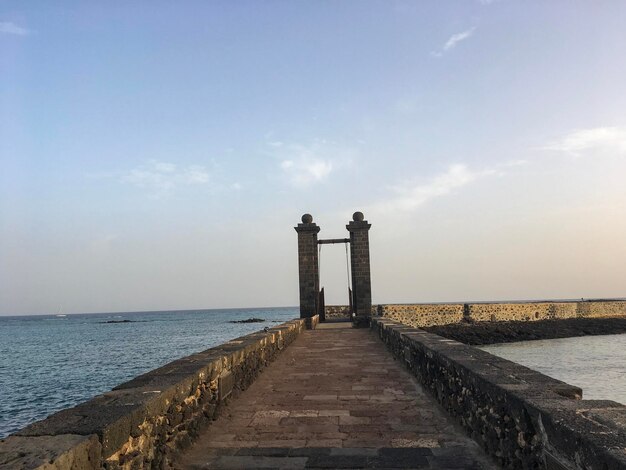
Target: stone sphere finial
(358,216)
(307,219)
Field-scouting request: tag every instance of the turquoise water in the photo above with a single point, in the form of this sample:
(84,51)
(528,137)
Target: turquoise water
(48,363)
(597,364)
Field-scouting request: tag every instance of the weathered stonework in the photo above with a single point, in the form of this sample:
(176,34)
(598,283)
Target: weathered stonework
(426,315)
(311,322)
(360,268)
(334,312)
(144,423)
(480,333)
(308,266)
(522,418)
(423,314)
(522,311)
(62,452)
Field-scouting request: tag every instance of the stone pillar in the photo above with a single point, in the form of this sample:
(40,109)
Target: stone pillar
(360,266)
(308,267)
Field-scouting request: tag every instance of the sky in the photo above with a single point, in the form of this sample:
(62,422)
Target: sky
(157,155)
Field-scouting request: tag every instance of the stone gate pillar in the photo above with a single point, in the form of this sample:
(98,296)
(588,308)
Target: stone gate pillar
(308,267)
(360,266)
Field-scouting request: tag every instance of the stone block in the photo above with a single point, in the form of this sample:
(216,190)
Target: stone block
(62,452)
(226,382)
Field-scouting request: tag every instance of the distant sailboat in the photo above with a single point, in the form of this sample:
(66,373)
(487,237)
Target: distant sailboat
(59,314)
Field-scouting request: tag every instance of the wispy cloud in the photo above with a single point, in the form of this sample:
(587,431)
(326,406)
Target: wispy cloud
(409,197)
(457,38)
(6,27)
(583,141)
(162,176)
(453,40)
(305,164)
(306,170)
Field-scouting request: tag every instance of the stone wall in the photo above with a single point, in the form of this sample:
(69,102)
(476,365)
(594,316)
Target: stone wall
(311,323)
(143,423)
(608,308)
(522,418)
(337,311)
(424,315)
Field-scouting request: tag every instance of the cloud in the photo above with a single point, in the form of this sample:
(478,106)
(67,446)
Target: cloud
(582,141)
(306,170)
(163,176)
(453,41)
(410,197)
(6,27)
(304,164)
(457,38)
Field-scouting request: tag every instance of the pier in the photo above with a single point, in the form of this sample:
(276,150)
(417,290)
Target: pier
(381,389)
(335,399)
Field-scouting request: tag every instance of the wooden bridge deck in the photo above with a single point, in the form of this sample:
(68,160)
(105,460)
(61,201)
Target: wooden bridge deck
(334,399)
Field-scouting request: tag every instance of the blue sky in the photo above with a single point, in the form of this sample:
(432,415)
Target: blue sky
(157,156)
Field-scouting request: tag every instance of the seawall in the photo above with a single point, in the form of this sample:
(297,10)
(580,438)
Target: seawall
(145,422)
(421,315)
(520,417)
(335,312)
(425,315)
(481,333)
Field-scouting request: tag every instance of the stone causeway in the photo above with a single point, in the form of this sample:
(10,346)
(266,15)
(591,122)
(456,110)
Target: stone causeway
(336,398)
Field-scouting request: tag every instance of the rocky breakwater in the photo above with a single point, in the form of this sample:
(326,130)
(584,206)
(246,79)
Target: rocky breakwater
(520,417)
(145,422)
(482,333)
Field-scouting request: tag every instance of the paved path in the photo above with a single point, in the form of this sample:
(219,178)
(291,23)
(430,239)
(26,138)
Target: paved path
(335,398)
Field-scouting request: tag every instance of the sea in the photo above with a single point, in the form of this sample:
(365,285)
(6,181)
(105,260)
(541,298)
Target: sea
(51,362)
(597,364)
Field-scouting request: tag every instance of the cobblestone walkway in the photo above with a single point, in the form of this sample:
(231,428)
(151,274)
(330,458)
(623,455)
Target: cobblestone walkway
(335,398)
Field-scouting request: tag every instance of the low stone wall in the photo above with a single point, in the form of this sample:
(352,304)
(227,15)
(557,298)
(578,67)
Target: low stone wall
(423,315)
(522,418)
(533,311)
(334,312)
(311,322)
(143,423)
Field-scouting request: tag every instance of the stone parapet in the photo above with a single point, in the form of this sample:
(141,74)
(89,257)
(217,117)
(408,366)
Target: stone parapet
(521,417)
(337,312)
(143,423)
(311,322)
(425,315)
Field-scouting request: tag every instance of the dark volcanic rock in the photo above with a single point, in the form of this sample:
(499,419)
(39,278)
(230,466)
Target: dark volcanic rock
(249,320)
(511,331)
